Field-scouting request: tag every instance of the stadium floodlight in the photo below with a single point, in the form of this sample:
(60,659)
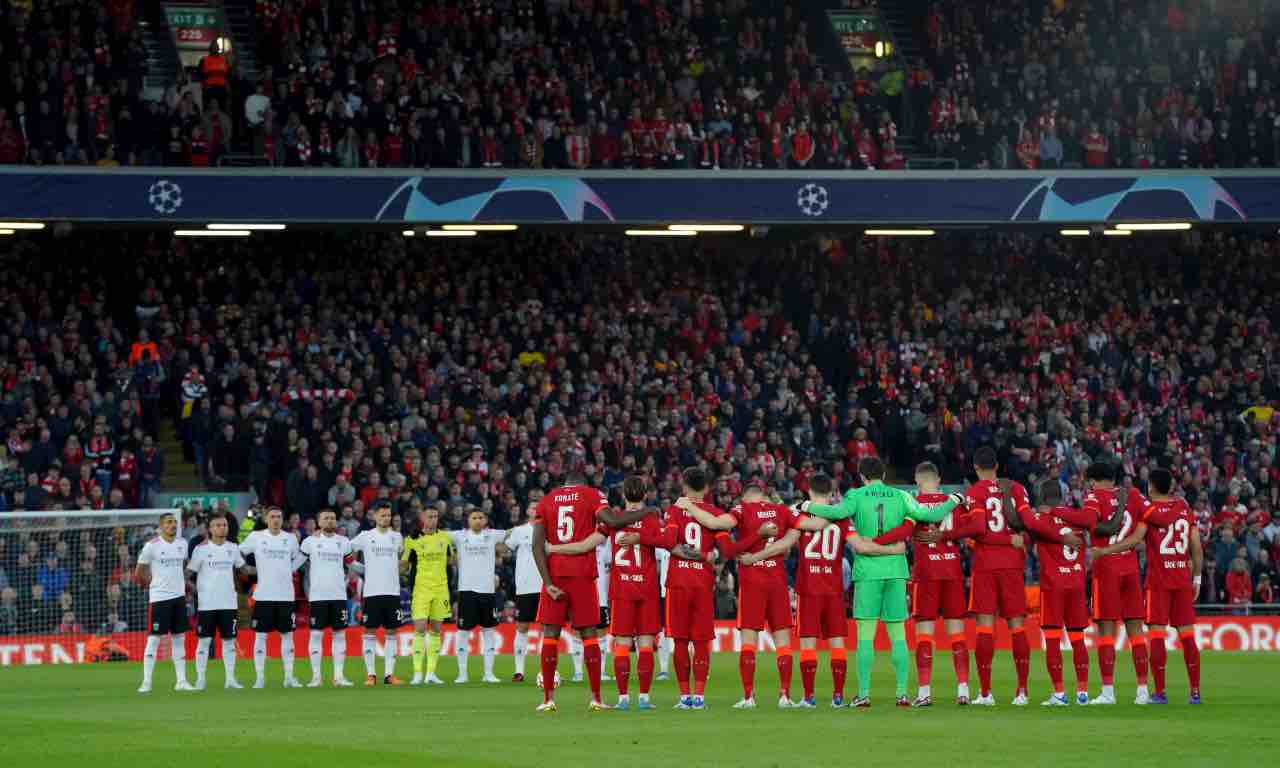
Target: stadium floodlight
(706,227)
(211,233)
(250,227)
(1116,232)
(480,227)
(408,233)
(900,233)
(1156,226)
(22,225)
(451,233)
(1075,232)
(6,231)
(660,233)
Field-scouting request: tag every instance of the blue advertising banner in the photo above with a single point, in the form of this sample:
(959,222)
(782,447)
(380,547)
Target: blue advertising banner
(170,196)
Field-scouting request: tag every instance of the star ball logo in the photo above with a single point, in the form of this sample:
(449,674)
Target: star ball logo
(813,199)
(165,197)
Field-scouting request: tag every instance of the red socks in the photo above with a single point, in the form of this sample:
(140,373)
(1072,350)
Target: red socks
(809,669)
(1107,659)
(960,657)
(839,670)
(986,651)
(683,665)
(644,669)
(785,662)
(1021,657)
(924,658)
(701,665)
(622,667)
(1191,655)
(747,670)
(1159,659)
(1080,659)
(550,658)
(1141,662)
(1053,657)
(591,658)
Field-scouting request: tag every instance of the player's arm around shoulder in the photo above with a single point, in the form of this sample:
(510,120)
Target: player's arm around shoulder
(928,514)
(842,511)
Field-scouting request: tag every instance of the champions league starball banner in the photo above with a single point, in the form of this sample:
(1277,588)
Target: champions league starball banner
(392,197)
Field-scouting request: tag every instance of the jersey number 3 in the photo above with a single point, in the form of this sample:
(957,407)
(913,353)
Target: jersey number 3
(995,514)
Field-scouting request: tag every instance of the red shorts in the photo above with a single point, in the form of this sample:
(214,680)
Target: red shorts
(764,603)
(631,618)
(822,615)
(1063,608)
(690,614)
(1171,608)
(998,593)
(578,607)
(931,599)
(1118,598)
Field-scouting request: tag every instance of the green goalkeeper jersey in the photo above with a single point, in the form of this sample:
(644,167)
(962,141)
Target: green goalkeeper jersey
(876,508)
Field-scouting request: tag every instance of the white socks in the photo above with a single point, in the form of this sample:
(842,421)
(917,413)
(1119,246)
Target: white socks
(925,692)
(463,640)
(575,652)
(316,651)
(389,654)
(149,658)
(370,653)
(665,647)
(286,653)
(339,653)
(260,655)
(521,650)
(202,659)
(489,644)
(178,645)
(229,658)
(606,645)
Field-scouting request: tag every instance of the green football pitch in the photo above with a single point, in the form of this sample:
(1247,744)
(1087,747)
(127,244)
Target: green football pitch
(91,717)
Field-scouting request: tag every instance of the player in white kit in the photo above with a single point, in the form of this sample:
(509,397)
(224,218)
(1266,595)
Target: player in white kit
(276,556)
(664,643)
(326,551)
(604,563)
(380,550)
(214,562)
(160,569)
(528,587)
(477,549)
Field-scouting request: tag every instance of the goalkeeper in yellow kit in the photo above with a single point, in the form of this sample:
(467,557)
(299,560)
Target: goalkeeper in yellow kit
(427,555)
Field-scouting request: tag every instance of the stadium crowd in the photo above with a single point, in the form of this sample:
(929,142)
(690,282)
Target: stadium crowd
(476,378)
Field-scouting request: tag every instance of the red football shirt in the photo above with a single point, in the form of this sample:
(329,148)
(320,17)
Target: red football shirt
(821,569)
(634,575)
(992,550)
(940,561)
(1169,525)
(568,515)
(684,529)
(1061,567)
(750,517)
(1101,504)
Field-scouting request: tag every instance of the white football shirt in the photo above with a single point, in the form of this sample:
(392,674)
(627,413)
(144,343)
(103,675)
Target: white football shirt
(663,557)
(381,553)
(477,559)
(215,568)
(275,558)
(520,541)
(604,562)
(165,559)
(326,574)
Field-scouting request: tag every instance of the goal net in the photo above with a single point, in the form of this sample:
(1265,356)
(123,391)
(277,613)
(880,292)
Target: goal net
(67,589)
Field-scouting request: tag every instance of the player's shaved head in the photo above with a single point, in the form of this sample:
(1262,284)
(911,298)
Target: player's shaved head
(1050,492)
(985,458)
(753,492)
(695,479)
(821,484)
(927,469)
(1161,481)
(635,488)
(871,468)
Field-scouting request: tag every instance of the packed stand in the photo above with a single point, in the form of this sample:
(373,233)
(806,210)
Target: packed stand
(476,378)
(1079,84)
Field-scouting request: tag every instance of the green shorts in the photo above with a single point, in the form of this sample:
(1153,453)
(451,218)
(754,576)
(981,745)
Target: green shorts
(884,599)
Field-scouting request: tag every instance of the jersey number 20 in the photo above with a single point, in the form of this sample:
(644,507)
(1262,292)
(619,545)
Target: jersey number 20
(823,545)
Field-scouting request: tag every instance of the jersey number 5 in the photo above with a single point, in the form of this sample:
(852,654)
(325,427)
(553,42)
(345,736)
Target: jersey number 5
(564,524)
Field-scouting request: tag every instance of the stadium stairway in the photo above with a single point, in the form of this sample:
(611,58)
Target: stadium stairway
(179,474)
(241,16)
(162,56)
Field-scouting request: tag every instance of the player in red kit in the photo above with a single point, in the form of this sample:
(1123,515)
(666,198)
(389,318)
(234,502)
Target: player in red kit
(1174,560)
(937,589)
(1117,585)
(997,585)
(691,578)
(1060,541)
(571,515)
(820,603)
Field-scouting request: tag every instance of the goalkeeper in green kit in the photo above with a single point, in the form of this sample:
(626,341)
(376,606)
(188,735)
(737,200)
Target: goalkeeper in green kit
(880,580)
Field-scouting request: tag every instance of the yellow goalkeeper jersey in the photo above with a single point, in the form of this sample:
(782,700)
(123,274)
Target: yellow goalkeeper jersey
(432,552)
